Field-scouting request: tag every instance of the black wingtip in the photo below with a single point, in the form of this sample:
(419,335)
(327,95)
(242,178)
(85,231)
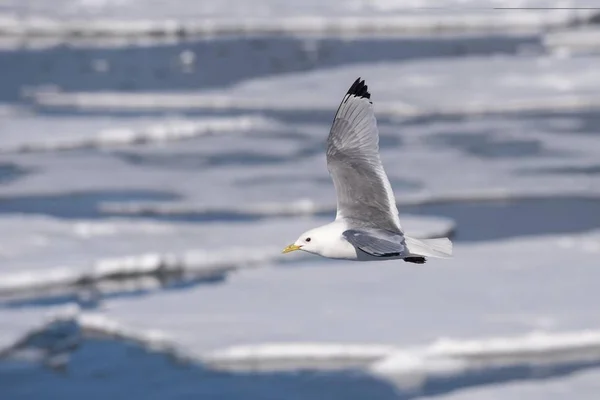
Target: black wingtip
(359,89)
(416,260)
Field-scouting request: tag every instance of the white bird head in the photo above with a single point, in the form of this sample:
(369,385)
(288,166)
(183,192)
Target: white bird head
(310,241)
(321,240)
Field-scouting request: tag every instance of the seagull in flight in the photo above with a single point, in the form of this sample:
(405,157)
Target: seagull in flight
(366,226)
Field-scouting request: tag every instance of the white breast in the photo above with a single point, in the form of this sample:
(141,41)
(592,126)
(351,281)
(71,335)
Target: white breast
(341,249)
(333,244)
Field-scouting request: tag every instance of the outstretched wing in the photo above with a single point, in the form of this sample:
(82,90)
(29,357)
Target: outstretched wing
(364,193)
(377,242)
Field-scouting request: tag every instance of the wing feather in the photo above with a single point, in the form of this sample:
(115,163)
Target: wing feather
(377,242)
(364,193)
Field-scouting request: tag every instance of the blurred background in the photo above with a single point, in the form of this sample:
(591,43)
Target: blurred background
(155,157)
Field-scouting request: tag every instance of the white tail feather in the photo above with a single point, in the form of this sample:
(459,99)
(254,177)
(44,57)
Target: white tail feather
(440,248)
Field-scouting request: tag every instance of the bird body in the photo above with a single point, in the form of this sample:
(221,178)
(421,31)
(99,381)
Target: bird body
(367,226)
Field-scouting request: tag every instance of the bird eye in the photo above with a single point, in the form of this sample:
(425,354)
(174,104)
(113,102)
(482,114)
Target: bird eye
(307,240)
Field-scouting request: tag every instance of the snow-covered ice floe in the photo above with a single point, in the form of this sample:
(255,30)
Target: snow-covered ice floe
(584,385)
(425,88)
(544,353)
(78,133)
(573,41)
(115,257)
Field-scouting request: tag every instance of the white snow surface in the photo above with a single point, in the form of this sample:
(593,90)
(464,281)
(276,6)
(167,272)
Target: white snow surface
(584,385)
(574,41)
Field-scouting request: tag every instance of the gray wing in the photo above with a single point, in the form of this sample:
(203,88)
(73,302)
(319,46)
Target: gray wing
(377,242)
(364,193)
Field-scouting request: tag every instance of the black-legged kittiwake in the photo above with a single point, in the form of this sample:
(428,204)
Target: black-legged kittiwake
(366,226)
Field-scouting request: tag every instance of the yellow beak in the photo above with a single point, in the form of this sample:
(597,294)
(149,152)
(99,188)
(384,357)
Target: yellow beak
(291,247)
